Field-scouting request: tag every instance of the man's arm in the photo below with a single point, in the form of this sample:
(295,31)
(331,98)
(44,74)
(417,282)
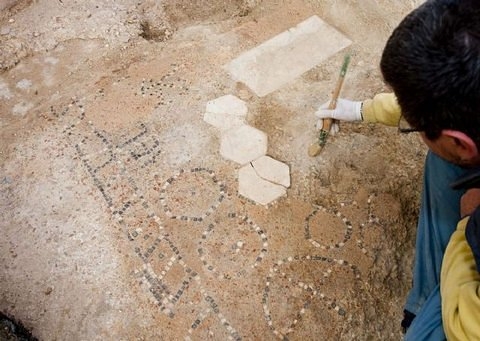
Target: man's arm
(460,278)
(383,108)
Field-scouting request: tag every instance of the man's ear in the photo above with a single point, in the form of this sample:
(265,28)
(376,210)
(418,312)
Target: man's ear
(466,148)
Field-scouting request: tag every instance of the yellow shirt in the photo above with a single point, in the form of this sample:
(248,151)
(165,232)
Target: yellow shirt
(460,289)
(383,108)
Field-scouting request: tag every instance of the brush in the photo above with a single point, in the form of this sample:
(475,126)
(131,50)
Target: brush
(317,147)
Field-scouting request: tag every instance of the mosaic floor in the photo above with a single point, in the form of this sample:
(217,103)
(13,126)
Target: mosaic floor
(165,218)
(123,220)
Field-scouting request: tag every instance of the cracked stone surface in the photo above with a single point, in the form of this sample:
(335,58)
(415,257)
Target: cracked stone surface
(242,146)
(251,185)
(272,170)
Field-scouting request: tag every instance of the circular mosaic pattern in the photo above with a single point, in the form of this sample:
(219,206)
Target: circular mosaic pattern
(296,284)
(197,191)
(321,221)
(239,245)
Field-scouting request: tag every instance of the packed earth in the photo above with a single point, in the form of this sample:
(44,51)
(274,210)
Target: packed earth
(122,216)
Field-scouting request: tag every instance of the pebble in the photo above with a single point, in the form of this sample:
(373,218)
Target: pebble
(7,180)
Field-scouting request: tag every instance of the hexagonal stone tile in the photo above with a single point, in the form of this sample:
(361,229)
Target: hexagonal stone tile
(225,112)
(243,144)
(272,170)
(253,187)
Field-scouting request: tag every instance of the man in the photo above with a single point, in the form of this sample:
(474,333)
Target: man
(432,63)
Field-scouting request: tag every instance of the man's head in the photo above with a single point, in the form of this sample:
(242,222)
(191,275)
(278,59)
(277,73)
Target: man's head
(432,63)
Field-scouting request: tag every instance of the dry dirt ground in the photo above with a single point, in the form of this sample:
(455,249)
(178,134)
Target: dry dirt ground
(103,140)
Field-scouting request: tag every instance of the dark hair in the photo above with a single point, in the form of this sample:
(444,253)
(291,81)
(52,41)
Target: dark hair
(432,63)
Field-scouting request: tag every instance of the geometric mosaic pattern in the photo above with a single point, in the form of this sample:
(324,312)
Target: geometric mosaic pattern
(150,208)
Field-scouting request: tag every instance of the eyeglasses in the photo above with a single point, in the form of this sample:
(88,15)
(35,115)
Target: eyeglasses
(404,127)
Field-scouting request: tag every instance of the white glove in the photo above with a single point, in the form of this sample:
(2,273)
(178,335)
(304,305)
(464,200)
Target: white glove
(346,110)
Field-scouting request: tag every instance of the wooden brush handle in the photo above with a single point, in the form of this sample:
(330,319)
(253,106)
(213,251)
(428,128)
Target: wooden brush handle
(316,148)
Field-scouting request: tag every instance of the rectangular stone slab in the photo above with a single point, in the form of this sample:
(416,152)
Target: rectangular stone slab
(286,56)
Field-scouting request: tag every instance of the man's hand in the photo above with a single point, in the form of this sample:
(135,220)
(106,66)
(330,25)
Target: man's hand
(469,202)
(346,110)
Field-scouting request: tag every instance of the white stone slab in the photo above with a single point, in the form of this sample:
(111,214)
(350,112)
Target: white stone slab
(253,187)
(272,170)
(222,121)
(226,112)
(243,144)
(228,104)
(286,56)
